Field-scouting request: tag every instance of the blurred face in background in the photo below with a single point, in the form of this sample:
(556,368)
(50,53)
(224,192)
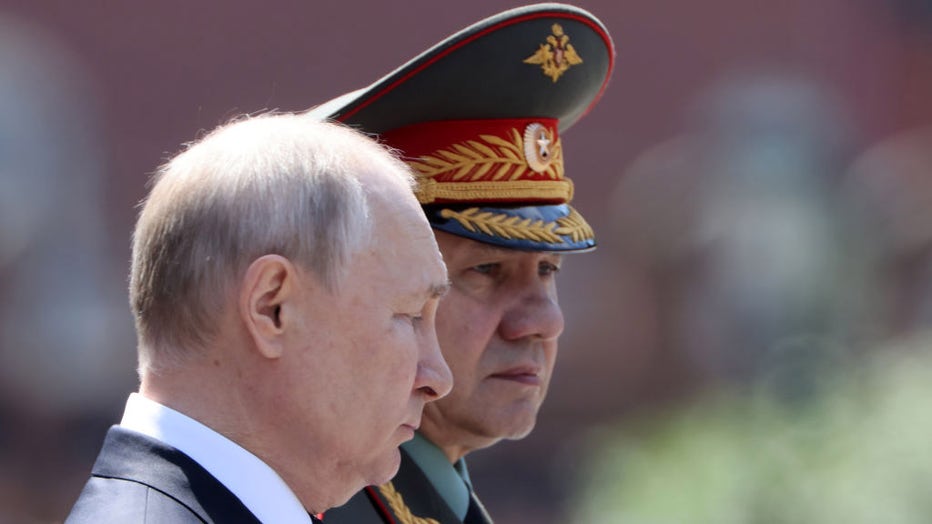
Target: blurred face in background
(498,328)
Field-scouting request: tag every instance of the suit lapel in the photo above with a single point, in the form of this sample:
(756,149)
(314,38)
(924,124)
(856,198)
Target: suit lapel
(131,456)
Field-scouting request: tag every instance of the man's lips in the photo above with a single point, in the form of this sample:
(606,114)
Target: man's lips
(414,420)
(413,423)
(528,375)
(410,426)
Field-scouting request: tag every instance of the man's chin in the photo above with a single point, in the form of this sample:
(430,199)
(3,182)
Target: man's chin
(517,429)
(375,474)
(387,468)
(493,434)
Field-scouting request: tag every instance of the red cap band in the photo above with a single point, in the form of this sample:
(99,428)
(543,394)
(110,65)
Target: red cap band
(485,161)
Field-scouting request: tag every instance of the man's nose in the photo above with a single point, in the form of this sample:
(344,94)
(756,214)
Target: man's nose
(535,313)
(434,377)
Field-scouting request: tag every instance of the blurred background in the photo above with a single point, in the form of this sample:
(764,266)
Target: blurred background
(747,344)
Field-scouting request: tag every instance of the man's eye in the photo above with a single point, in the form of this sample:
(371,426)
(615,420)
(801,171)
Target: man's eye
(485,269)
(411,318)
(546,268)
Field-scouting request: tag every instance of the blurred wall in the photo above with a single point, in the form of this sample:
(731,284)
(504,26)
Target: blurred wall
(729,171)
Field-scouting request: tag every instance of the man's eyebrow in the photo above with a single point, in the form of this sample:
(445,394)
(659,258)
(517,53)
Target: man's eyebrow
(438,290)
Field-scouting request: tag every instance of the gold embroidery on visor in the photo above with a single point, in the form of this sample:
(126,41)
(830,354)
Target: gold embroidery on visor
(517,228)
(575,226)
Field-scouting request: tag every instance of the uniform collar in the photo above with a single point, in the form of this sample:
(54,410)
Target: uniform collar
(450,480)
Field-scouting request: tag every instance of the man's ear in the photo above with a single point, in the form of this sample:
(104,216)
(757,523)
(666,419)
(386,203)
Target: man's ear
(269,287)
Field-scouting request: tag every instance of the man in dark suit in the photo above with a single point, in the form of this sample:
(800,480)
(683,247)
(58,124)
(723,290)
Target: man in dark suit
(284,283)
(479,117)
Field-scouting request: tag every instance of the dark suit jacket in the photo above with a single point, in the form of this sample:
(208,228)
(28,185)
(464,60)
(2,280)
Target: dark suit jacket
(139,479)
(409,498)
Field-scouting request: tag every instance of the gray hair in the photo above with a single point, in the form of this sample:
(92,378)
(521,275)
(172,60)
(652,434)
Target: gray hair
(284,184)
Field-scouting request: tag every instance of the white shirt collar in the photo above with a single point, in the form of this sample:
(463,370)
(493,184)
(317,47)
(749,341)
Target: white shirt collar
(257,485)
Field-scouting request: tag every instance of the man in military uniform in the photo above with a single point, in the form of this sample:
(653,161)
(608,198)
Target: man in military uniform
(478,117)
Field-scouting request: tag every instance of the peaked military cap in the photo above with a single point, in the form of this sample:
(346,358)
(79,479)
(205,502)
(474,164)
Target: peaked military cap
(478,117)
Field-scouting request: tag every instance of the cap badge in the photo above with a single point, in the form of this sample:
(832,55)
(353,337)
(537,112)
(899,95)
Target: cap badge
(556,55)
(538,147)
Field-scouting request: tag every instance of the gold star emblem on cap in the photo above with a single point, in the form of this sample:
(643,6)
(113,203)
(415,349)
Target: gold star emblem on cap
(537,147)
(556,55)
